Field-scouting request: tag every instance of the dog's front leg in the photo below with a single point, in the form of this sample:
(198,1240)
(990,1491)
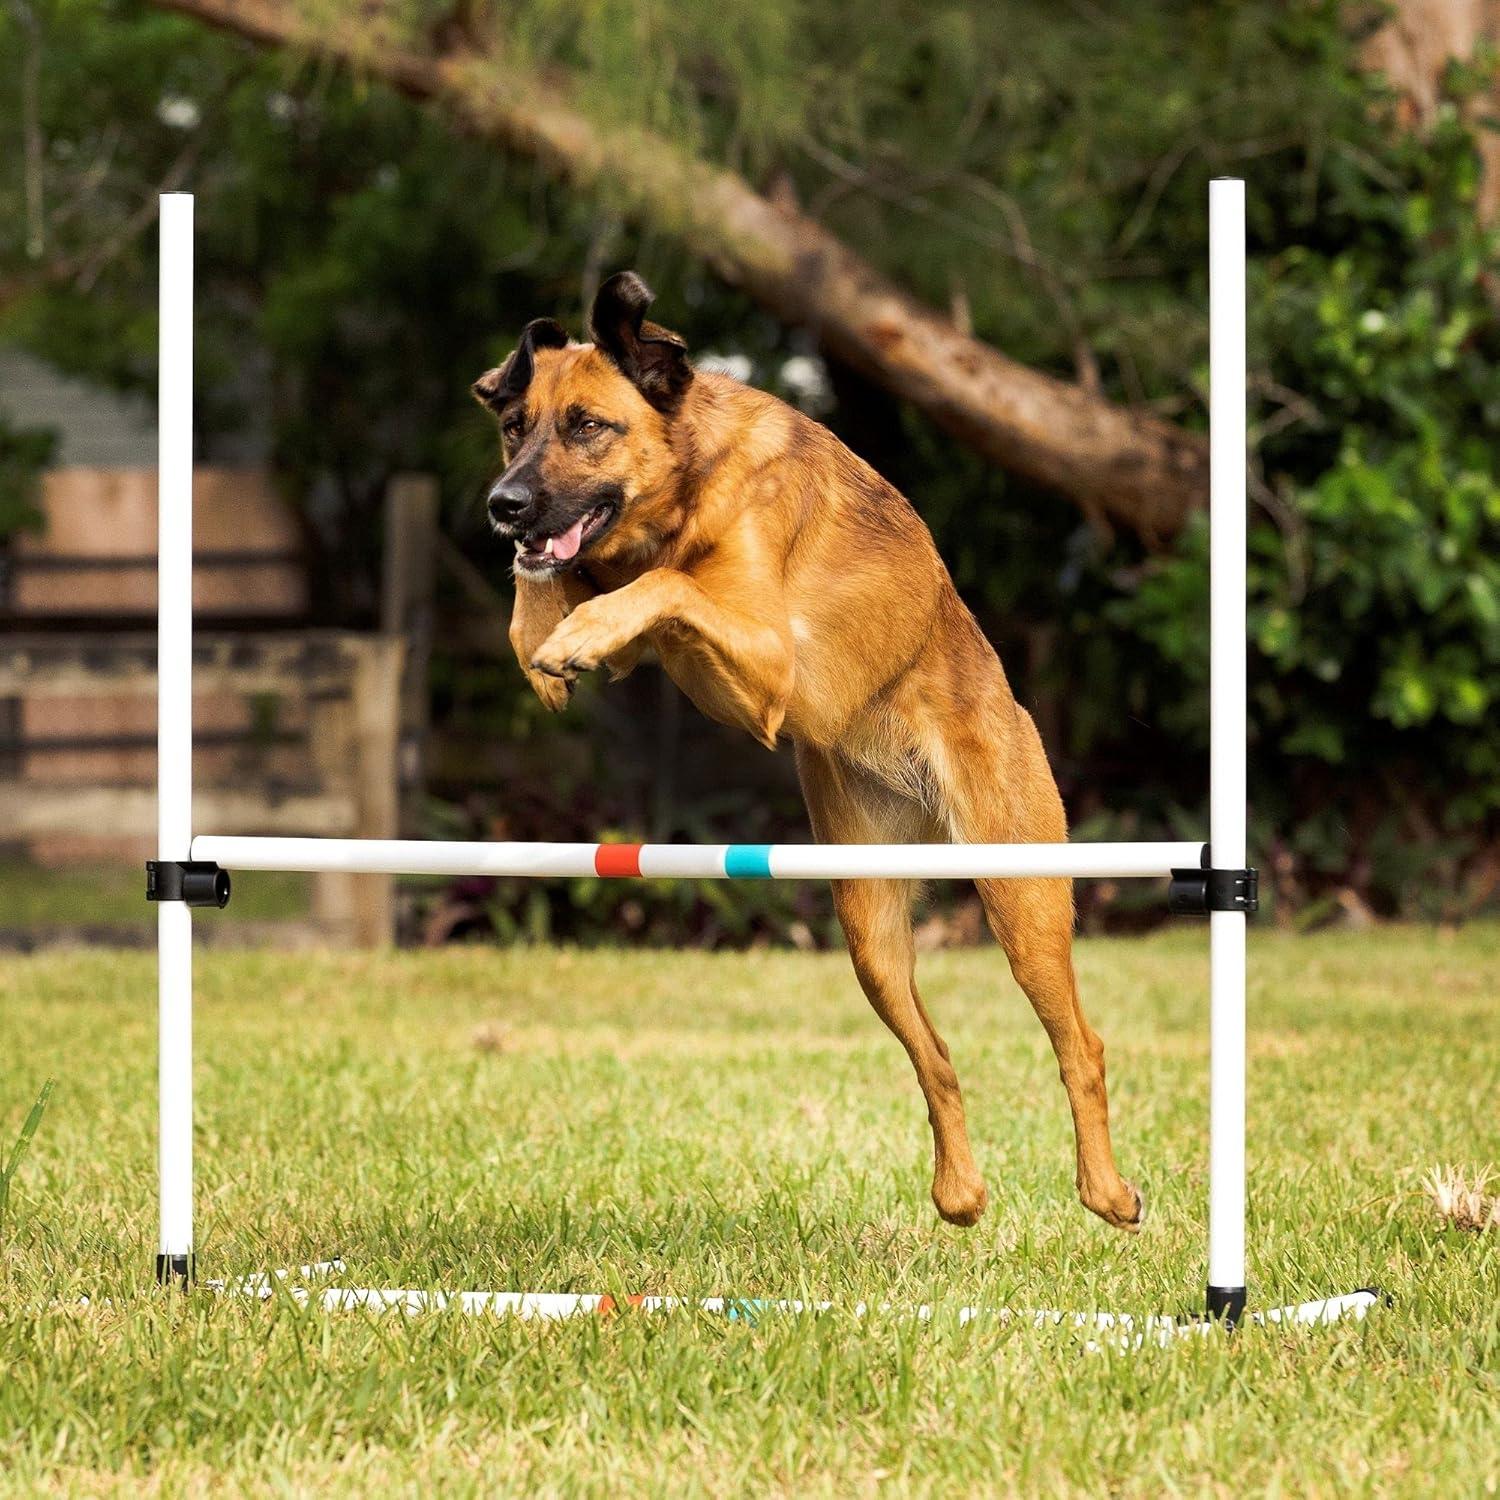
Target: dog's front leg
(744,650)
(541,604)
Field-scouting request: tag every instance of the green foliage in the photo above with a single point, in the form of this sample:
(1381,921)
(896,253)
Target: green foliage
(22,1144)
(24,453)
(357,266)
(1043,167)
(1375,566)
(1045,171)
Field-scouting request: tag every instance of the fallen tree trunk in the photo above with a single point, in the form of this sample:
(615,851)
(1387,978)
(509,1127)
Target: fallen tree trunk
(1128,468)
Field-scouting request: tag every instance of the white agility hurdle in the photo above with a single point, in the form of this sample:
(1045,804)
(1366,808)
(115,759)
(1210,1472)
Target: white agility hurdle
(191,869)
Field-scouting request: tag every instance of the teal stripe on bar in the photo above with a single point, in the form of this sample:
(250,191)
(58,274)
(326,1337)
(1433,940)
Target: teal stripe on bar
(748,861)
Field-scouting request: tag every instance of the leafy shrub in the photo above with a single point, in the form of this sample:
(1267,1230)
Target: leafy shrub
(1375,548)
(24,453)
(1040,170)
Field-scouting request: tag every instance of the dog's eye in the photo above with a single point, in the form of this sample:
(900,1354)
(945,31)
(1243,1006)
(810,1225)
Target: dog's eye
(589,425)
(513,429)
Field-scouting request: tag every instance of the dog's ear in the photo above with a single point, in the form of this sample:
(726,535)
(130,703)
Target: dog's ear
(652,358)
(497,388)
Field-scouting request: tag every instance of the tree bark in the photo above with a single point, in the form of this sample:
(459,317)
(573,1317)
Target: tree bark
(1125,468)
(1413,49)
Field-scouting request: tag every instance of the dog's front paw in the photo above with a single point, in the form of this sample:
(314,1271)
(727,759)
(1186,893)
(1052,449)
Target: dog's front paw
(579,644)
(555,692)
(560,666)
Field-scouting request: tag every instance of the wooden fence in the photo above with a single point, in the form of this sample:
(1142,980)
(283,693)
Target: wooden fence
(309,728)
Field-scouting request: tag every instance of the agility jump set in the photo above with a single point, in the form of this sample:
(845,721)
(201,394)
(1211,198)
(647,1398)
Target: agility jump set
(192,868)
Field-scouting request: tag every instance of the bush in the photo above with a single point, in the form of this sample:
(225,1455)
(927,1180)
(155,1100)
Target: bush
(24,453)
(1040,170)
(1375,548)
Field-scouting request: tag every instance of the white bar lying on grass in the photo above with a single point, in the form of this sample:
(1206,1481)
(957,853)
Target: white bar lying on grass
(1123,1330)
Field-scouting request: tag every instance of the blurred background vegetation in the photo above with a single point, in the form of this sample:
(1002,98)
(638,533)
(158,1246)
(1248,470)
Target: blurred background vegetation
(1039,173)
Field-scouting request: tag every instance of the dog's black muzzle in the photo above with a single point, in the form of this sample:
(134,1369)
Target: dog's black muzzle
(513,505)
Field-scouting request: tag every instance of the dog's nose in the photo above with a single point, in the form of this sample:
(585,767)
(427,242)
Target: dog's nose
(509,501)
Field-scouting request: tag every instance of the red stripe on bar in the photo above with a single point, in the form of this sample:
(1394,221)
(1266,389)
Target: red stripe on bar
(617,859)
(608,1305)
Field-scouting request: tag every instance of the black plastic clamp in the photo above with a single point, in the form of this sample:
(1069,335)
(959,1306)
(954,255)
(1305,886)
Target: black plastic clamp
(198,882)
(176,1270)
(1192,893)
(1226,1304)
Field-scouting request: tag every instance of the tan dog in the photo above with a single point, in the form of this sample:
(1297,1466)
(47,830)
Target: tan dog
(788,590)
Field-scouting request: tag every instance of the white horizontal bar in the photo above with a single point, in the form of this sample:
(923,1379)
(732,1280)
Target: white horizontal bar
(262,1283)
(1123,1330)
(395,856)
(678,861)
(703,861)
(980,861)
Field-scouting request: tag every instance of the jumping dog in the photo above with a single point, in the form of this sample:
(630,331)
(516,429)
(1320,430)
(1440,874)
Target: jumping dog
(789,591)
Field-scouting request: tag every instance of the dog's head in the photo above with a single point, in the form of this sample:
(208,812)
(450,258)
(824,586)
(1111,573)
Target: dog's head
(585,432)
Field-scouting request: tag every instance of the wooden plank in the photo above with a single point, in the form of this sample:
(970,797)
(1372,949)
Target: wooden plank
(410,560)
(353,744)
(297,663)
(348,685)
(330,754)
(28,810)
(93,513)
(377,734)
(408,587)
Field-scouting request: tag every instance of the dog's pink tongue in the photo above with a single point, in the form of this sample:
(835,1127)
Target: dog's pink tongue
(567,544)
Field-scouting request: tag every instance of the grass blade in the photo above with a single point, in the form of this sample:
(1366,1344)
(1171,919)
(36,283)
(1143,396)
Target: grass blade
(23,1142)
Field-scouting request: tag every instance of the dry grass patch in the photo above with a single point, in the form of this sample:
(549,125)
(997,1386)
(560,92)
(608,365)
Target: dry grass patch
(1460,1202)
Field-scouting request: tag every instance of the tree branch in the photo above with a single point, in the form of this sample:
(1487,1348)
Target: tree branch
(1133,468)
(81,271)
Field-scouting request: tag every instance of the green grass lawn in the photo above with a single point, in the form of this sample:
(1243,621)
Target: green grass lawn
(560,1120)
(39,901)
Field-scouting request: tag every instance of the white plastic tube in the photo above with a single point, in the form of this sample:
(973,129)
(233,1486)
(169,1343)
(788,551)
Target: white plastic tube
(174,726)
(1118,1330)
(1227,732)
(980,861)
(702,861)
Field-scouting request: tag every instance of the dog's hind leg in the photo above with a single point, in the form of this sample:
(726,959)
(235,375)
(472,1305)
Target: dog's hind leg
(846,807)
(1033,921)
(999,789)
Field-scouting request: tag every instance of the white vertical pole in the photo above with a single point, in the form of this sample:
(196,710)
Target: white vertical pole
(1227,736)
(174,728)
